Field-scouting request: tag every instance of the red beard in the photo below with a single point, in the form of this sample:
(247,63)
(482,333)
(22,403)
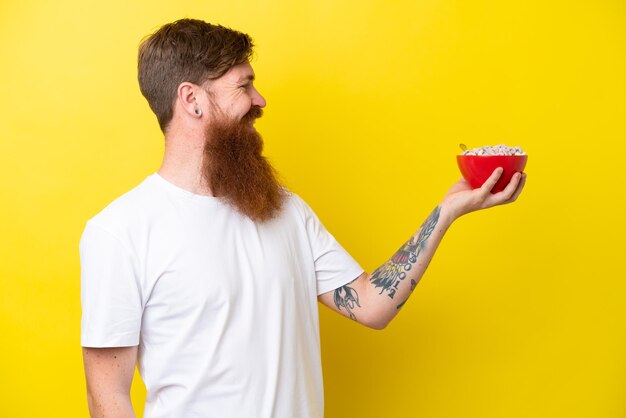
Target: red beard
(237,172)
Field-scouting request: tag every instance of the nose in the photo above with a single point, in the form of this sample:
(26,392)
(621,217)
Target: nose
(257,99)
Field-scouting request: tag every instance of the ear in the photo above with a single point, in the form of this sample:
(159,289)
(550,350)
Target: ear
(188,101)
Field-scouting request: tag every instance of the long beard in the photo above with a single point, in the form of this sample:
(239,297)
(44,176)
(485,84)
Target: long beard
(237,172)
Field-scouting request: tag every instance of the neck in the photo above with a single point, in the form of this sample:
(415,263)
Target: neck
(182,162)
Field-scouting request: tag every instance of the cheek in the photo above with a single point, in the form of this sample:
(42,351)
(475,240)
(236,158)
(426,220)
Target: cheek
(242,106)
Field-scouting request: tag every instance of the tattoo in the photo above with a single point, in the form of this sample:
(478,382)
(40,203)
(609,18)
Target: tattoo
(347,297)
(390,274)
(413,284)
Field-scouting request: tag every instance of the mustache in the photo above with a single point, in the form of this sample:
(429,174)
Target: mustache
(255,112)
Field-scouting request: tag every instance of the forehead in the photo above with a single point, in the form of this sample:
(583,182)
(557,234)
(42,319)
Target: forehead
(241,72)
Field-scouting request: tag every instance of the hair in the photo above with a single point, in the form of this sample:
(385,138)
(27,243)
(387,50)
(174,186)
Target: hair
(186,50)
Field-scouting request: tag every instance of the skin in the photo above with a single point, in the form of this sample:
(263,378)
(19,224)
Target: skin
(234,93)
(233,166)
(384,292)
(370,299)
(109,374)
(109,371)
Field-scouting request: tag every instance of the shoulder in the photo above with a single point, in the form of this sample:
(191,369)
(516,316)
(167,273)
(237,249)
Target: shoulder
(128,209)
(295,203)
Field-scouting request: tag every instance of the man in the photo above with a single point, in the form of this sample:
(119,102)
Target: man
(208,273)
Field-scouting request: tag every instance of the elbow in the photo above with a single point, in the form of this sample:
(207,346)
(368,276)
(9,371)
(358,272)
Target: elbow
(377,319)
(377,324)
(378,327)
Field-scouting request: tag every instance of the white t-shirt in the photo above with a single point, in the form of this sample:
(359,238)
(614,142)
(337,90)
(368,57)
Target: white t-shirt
(224,310)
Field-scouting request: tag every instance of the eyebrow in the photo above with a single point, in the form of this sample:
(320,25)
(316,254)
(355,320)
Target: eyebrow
(249,77)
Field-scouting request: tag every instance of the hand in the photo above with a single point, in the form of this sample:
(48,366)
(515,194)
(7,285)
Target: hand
(462,199)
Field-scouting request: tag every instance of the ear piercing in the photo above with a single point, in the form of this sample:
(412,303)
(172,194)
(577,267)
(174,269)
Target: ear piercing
(197,110)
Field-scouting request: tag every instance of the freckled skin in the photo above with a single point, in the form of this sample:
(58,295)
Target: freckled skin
(114,368)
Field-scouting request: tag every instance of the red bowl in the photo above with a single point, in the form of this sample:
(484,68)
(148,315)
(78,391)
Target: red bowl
(477,168)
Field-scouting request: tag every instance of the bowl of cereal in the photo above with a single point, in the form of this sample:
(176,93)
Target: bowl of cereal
(478,164)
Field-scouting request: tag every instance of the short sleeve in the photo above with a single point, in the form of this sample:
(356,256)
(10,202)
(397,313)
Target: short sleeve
(334,266)
(110,291)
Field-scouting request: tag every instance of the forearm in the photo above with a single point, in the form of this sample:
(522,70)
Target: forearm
(110,405)
(390,286)
(375,299)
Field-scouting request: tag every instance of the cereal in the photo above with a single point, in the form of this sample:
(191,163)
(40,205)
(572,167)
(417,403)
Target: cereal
(500,149)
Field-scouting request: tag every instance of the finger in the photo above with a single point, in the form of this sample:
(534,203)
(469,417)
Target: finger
(491,181)
(510,188)
(505,195)
(519,189)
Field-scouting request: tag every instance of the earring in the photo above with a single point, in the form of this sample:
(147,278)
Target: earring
(198,111)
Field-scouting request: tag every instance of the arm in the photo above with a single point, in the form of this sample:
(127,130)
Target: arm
(109,374)
(375,299)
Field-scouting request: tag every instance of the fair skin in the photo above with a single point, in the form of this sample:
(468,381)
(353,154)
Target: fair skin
(109,374)
(109,371)
(234,93)
(375,308)
(371,299)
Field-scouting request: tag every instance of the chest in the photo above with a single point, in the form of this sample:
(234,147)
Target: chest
(219,264)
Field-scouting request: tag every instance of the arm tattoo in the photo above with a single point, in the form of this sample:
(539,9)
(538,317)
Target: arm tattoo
(390,274)
(413,284)
(347,297)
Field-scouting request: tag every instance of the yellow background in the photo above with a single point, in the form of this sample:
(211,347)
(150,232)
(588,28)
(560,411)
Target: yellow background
(522,311)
